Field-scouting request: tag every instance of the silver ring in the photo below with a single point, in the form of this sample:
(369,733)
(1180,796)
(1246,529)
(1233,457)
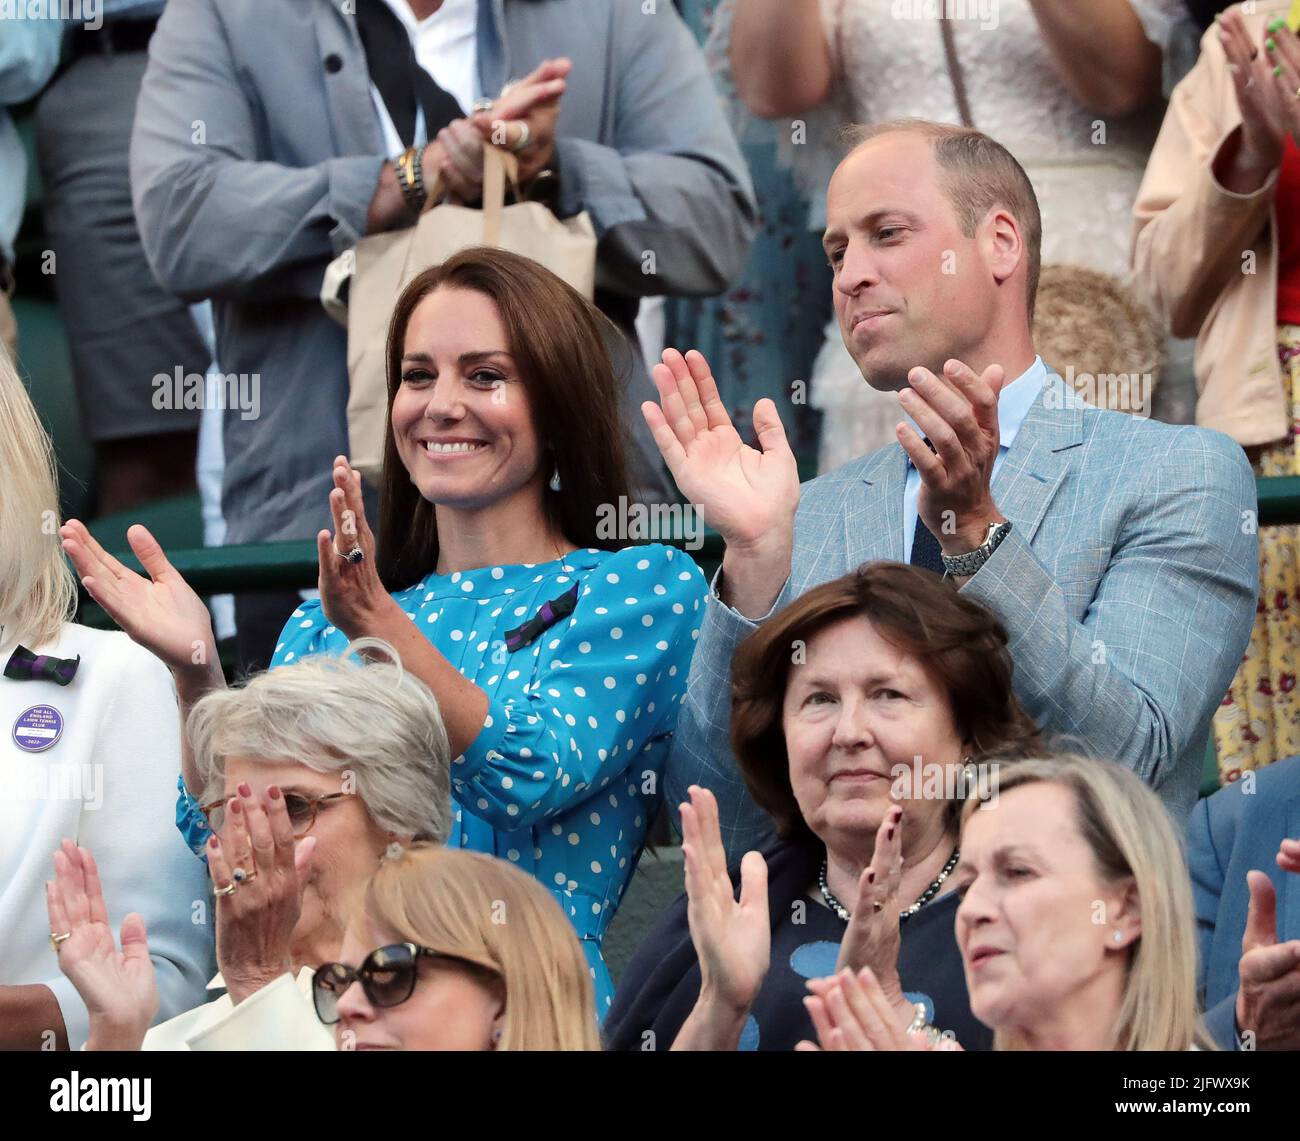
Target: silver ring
(481,105)
(229,889)
(354,556)
(524,139)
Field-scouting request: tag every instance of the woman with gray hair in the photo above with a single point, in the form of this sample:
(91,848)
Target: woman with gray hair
(312,772)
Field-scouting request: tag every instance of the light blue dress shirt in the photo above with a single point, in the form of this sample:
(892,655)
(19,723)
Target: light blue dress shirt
(1014,403)
(29,53)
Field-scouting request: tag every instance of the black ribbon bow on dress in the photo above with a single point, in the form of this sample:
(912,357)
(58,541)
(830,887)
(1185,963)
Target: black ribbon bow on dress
(26,666)
(550,613)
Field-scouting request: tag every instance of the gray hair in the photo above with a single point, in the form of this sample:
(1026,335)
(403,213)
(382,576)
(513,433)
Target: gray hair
(370,718)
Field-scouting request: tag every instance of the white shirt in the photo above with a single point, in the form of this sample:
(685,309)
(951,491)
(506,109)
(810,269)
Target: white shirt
(108,782)
(447,48)
(280,1016)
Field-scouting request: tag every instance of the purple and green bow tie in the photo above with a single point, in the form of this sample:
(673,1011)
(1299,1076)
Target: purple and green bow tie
(26,666)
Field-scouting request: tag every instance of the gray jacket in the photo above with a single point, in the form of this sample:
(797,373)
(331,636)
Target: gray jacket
(256,152)
(1127,587)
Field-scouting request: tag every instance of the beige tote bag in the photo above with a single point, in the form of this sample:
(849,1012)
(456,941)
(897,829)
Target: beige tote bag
(382,265)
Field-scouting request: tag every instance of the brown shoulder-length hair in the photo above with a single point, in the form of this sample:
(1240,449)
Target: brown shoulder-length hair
(555,337)
(961,645)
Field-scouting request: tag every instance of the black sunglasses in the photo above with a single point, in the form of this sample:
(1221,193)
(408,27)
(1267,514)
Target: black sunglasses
(387,977)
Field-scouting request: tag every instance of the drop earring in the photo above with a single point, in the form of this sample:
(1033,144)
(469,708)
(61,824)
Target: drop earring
(555,480)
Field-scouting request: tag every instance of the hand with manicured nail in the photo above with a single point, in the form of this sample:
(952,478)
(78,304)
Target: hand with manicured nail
(873,936)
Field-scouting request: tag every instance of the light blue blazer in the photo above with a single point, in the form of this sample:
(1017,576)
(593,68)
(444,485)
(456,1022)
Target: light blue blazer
(1127,586)
(1237,830)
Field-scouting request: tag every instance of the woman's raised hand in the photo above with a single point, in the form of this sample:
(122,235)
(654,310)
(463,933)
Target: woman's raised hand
(161,613)
(118,987)
(872,938)
(733,939)
(351,594)
(257,854)
(748,495)
(850,1012)
(1266,84)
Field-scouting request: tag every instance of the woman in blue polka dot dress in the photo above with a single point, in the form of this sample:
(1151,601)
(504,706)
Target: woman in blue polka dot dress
(559,660)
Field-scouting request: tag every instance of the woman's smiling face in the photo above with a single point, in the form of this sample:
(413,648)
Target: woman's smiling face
(461,418)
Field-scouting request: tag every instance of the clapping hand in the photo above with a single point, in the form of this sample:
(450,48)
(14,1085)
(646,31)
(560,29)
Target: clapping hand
(850,1012)
(958,414)
(872,939)
(1266,84)
(527,110)
(161,613)
(351,593)
(733,938)
(1268,995)
(744,493)
(118,987)
(256,854)
(748,495)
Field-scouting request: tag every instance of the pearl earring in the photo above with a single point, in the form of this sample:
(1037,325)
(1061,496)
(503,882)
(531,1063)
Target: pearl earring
(1118,936)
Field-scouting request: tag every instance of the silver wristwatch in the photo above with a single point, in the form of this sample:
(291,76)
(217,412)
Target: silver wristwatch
(963,566)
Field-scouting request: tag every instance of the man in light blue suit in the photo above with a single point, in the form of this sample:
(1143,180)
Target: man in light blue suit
(1119,553)
(1243,847)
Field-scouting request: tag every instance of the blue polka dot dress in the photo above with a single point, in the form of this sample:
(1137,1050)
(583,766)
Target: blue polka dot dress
(566,775)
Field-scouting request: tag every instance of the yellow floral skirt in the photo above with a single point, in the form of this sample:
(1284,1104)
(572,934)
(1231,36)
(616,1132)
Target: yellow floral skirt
(1259,720)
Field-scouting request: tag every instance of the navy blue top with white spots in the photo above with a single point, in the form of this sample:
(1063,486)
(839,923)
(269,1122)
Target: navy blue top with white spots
(566,774)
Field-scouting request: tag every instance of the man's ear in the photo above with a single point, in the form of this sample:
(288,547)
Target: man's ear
(1004,245)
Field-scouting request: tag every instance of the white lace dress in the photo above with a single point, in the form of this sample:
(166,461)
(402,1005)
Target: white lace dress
(1086,170)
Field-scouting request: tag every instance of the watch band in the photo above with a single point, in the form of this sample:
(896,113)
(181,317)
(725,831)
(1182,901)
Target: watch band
(965,565)
(410,177)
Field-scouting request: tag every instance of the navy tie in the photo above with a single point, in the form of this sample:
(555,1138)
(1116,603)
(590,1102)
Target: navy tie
(925,547)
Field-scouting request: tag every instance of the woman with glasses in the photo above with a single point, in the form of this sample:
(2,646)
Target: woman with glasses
(457,950)
(313,773)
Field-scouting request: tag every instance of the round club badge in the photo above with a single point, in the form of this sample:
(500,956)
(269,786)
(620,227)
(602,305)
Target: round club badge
(38,728)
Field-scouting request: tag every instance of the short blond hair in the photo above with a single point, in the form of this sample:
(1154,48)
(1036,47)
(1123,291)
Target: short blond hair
(1131,836)
(483,909)
(977,173)
(38,591)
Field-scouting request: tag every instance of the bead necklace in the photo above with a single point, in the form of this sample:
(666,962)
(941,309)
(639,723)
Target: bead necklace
(930,892)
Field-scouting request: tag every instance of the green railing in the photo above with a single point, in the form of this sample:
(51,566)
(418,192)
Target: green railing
(292,565)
